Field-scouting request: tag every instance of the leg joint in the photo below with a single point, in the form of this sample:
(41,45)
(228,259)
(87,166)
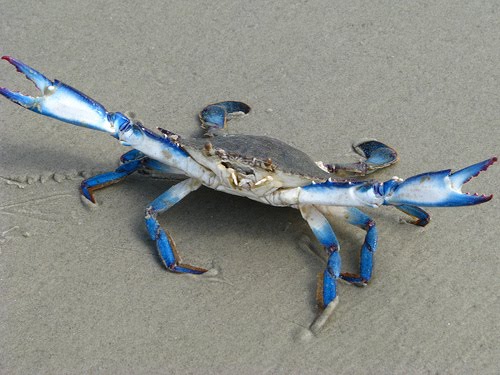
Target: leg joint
(369,224)
(149,212)
(332,249)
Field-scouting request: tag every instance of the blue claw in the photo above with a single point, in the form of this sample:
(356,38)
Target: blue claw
(40,81)
(438,189)
(63,102)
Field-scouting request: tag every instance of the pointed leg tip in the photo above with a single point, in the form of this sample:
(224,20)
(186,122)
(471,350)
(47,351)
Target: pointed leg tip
(90,198)
(187,269)
(421,222)
(88,204)
(87,194)
(324,316)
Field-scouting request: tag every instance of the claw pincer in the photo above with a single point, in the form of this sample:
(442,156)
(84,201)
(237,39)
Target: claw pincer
(437,189)
(62,102)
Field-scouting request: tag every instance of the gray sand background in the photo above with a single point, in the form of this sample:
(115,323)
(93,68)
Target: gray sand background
(82,291)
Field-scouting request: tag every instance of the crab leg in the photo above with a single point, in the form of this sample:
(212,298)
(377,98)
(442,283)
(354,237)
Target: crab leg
(132,161)
(363,221)
(419,216)
(327,283)
(215,116)
(164,243)
(377,155)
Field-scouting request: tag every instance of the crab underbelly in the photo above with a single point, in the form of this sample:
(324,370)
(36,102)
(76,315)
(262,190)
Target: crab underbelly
(258,186)
(244,193)
(248,180)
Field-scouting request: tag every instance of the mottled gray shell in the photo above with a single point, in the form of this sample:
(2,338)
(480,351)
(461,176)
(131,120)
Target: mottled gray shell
(257,152)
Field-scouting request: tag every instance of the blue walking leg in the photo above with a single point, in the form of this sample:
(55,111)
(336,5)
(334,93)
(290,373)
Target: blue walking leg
(131,162)
(327,283)
(150,165)
(215,116)
(376,156)
(363,221)
(164,243)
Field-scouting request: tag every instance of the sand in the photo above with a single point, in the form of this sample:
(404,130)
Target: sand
(82,290)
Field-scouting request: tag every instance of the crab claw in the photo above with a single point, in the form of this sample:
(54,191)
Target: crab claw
(438,189)
(63,102)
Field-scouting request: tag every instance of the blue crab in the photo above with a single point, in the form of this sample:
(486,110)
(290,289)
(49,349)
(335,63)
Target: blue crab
(257,167)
